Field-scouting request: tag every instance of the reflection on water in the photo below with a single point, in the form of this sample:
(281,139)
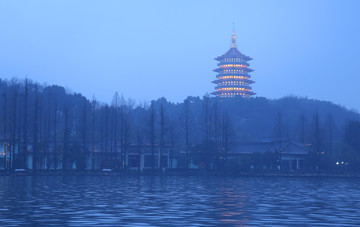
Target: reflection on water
(177,201)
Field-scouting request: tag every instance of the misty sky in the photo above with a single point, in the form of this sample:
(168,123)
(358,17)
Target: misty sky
(151,49)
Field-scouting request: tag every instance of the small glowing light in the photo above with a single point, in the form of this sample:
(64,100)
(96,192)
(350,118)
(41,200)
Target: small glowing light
(337,163)
(342,163)
(232,65)
(233,77)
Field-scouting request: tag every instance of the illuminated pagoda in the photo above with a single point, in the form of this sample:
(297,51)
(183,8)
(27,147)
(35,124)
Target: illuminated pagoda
(233,77)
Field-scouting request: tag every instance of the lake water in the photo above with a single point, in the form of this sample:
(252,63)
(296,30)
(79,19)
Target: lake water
(178,201)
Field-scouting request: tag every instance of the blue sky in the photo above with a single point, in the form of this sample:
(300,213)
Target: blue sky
(151,49)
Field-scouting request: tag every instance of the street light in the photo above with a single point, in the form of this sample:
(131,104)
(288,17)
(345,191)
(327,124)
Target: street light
(4,154)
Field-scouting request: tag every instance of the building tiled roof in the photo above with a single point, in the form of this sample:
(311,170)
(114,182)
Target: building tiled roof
(289,147)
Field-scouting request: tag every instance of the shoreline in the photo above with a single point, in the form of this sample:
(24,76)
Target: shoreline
(181,173)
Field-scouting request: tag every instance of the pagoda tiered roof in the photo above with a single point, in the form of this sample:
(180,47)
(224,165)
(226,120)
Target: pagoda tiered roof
(232,86)
(234,63)
(233,68)
(234,93)
(233,53)
(245,80)
(236,76)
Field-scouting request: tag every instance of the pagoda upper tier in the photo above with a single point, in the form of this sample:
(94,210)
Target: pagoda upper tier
(233,70)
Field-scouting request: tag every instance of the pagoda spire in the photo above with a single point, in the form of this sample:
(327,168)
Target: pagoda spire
(233,38)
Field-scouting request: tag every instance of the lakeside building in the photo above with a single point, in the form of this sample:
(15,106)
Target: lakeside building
(233,70)
(264,154)
(292,154)
(243,155)
(133,156)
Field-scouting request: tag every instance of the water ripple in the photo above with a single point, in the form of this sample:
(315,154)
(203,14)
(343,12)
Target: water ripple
(177,201)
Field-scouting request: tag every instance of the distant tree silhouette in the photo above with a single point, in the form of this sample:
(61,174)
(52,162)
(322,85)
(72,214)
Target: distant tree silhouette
(62,130)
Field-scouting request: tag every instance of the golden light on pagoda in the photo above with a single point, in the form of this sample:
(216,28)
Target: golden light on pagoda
(233,77)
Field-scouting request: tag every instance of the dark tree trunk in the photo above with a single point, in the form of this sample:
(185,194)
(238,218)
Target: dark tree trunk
(23,154)
(162,135)
(187,131)
(55,147)
(35,132)
(13,128)
(152,135)
(65,152)
(4,95)
(93,135)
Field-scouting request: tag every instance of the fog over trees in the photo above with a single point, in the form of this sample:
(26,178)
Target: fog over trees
(63,128)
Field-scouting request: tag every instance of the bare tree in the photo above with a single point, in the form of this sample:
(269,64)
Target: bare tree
(316,142)
(14,123)
(48,132)
(115,104)
(23,153)
(152,134)
(93,110)
(55,145)
(330,128)
(4,95)
(140,143)
(65,152)
(81,162)
(279,138)
(216,125)
(106,137)
(35,162)
(225,141)
(102,137)
(206,117)
(162,134)
(302,129)
(187,130)
(172,144)
(124,130)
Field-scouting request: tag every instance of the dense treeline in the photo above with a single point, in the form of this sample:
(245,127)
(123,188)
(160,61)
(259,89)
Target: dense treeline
(61,128)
